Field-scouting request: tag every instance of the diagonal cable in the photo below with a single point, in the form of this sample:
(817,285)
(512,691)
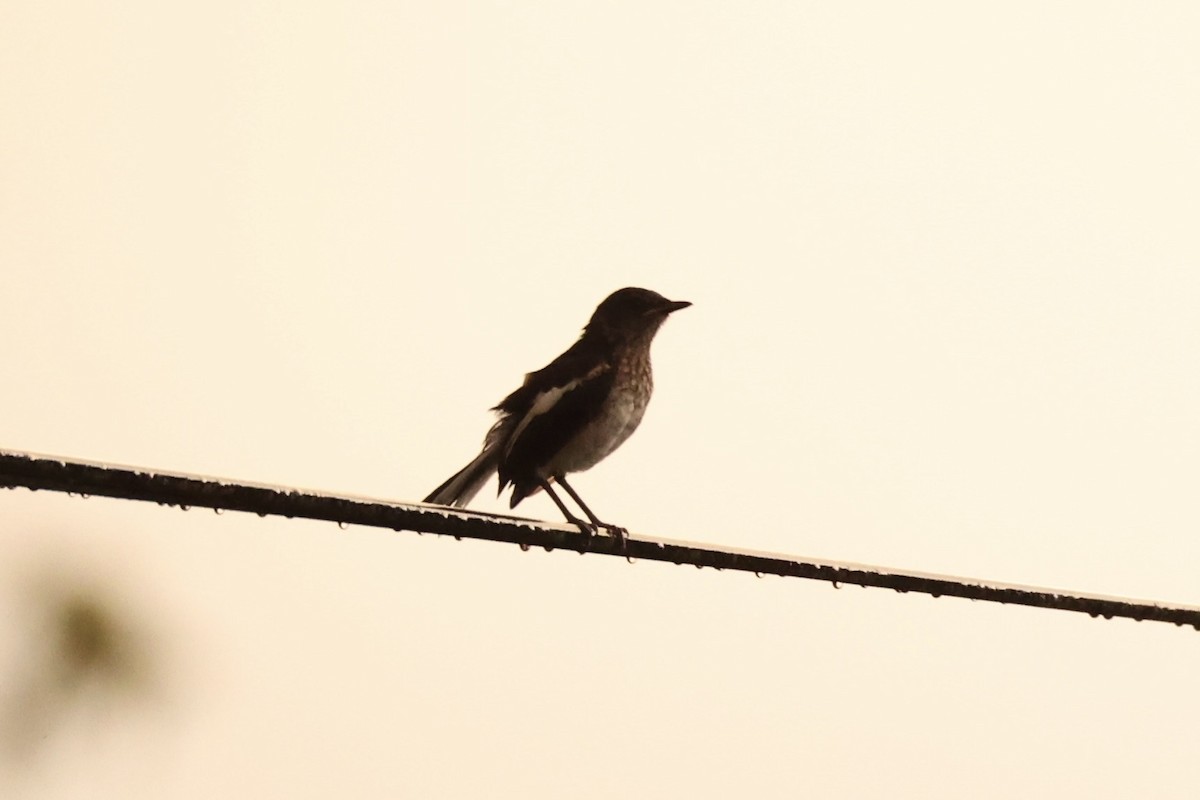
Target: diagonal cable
(55,474)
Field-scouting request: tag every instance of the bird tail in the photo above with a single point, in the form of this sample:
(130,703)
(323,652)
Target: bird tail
(460,487)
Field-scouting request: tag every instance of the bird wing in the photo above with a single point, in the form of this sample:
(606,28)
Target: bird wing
(553,405)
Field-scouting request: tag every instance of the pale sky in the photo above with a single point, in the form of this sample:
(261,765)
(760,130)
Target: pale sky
(945,264)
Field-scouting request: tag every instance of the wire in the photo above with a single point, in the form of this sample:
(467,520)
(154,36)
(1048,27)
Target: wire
(83,478)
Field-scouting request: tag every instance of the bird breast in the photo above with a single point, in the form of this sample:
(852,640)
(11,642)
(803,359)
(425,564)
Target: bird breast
(618,418)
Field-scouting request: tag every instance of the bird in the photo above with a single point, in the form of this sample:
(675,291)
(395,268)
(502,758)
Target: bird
(571,414)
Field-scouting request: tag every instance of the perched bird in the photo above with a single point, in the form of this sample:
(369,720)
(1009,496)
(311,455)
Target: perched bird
(569,415)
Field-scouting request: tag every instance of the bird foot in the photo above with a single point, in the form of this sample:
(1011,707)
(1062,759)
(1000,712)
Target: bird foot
(591,529)
(617,532)
(586,528)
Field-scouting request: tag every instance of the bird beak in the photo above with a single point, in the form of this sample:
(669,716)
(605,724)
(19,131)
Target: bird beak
(674,305)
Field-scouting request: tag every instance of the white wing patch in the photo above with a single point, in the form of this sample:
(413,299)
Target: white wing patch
(546,401)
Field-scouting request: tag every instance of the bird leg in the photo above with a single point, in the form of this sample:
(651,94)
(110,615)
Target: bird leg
(587,529)
(614,530)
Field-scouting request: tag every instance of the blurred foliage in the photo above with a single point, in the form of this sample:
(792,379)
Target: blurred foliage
(77,651)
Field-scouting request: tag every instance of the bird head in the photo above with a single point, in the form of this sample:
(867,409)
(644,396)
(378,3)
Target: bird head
(631,312)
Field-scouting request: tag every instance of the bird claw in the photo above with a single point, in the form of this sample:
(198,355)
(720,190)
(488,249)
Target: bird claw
(591,529)
(617,532)
(587,529)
